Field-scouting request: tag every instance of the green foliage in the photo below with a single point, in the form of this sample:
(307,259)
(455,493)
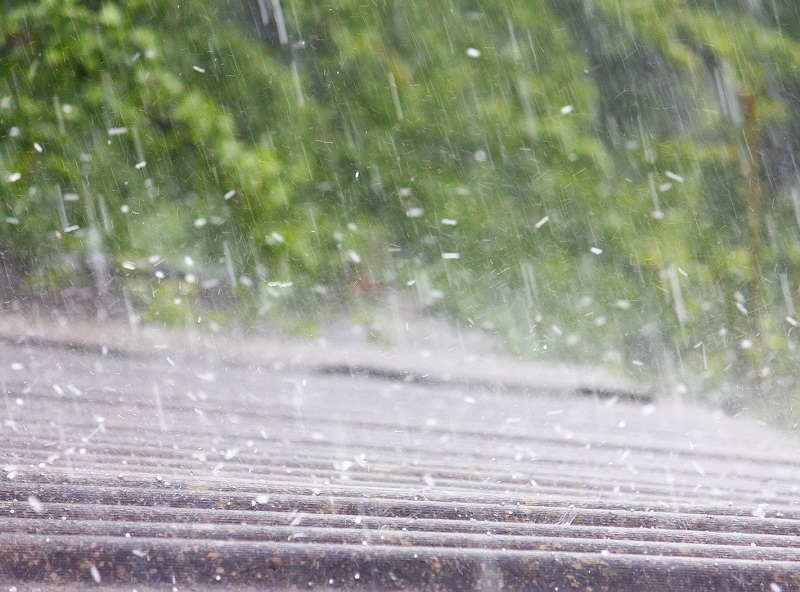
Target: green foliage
(585,162)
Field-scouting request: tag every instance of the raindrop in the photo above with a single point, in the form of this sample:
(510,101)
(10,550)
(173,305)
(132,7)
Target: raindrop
(35,504)
(95,573)
(675,177)
(398,108)
(298,89)
(280,22)
(657,213)
(677,296)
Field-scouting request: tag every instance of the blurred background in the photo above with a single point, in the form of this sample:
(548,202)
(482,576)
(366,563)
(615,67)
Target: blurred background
(597,181)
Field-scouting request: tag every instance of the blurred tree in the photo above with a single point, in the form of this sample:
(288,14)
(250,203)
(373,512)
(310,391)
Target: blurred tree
(580,175)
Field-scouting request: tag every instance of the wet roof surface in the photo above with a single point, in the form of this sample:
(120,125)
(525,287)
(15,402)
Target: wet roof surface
(164,461)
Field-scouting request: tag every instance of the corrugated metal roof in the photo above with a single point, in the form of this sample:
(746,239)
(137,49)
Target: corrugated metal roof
(156,461)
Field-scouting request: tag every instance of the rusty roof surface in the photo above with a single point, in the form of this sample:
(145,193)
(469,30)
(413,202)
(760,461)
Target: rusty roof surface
(153,460)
